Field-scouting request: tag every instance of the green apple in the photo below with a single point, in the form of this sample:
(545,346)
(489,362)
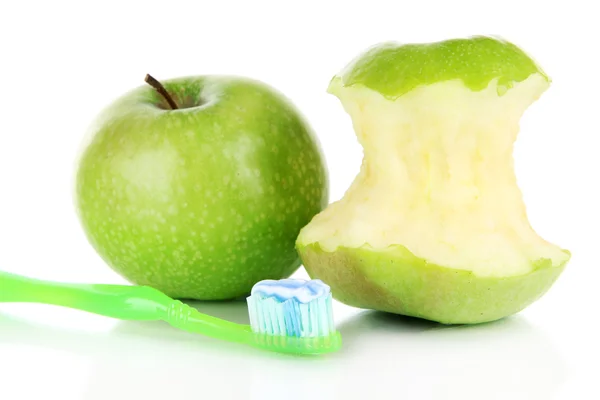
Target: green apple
(202,201)
(434,225)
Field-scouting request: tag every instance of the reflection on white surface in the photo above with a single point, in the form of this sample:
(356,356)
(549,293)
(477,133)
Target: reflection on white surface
(505,359)
(382,355)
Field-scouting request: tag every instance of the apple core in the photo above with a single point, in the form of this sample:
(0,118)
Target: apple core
(434,225)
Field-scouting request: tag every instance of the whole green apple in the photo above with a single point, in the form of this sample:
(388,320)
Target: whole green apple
(205,200)
(434,225)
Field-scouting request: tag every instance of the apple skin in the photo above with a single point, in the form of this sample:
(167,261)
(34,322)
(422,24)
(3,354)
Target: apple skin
(393,70)
(204,201)
(367,278)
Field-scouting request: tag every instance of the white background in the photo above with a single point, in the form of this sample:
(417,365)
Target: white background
(61,62)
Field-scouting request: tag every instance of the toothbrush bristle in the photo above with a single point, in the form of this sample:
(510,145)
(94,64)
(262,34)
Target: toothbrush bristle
(274,316)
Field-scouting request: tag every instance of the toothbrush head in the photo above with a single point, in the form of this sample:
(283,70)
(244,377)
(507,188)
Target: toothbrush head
(293,316)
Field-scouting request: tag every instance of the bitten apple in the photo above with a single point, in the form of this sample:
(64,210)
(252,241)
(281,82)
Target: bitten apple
(434,225)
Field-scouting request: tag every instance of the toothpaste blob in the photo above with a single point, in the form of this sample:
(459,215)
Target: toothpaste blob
(284,289)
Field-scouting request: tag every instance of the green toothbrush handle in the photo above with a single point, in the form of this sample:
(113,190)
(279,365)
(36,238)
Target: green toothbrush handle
(141,303)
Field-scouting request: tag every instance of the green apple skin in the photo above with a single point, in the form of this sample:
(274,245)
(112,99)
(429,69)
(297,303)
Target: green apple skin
(393,70)
(204,201)
(398,282)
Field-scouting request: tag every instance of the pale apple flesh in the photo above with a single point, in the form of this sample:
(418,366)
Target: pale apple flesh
(434,225)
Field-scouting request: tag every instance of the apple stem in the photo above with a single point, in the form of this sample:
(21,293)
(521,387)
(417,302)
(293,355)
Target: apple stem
(150,80)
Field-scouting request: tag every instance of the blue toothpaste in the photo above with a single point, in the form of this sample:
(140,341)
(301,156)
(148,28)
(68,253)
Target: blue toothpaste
(284,289)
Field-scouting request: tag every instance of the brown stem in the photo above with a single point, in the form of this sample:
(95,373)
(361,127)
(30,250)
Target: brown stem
(161,89)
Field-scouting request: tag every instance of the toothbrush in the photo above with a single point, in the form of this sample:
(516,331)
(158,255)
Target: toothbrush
(287,316)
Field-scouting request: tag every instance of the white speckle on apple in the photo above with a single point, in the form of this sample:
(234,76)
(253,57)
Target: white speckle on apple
(173,228)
